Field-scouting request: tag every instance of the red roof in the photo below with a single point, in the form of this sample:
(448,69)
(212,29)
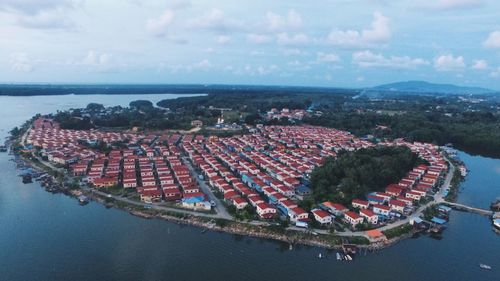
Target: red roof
(368,213)
(320,213)
(352,215)
(382,207)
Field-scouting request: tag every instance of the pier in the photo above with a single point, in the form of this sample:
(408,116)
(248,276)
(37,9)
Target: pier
(462,207)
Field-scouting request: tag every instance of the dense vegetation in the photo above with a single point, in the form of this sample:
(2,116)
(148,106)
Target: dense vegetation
(354,174)
(140,114)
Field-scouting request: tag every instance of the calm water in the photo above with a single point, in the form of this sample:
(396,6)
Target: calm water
(51,237)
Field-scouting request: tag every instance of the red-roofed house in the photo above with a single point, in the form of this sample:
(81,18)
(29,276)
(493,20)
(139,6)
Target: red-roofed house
(265,210)
(353,218)
(321,216)
(360,204)
(369,215)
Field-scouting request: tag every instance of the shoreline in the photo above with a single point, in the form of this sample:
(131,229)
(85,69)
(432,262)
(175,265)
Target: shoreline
(291,236)
(231,227)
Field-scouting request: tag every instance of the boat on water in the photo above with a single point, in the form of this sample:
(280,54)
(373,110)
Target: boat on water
(339,258)
(320,256)
(484,266)
(496,223)
(83,200)
(348,257)
(3,148)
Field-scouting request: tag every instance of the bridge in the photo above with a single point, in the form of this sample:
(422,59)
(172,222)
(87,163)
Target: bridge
(462,207)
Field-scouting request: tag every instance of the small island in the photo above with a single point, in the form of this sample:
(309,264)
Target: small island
(296,183)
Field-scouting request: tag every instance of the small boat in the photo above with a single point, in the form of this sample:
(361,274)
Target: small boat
(484,266)
(496,223)
(320,256)
(348,257)
(204,230)
(339,258)
(83,200)
(27,178)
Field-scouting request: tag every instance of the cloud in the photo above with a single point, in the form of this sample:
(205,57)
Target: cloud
(292,40)
(20,62)
(480,65)
(277,23)
(493,40)
(378,33)
(96,59)
(203,65)
(223,39)
(495,73)
(322,57)
(367,59)
(160,26)
(36,14)
(443,5)
(449,63)
(215,20)
(265,70)
(258,38)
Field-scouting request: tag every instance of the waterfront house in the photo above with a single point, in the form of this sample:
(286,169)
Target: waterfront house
(353,218)
(265,210)
(322,216)
(397,205)
(149,196)
(381,210)
(298,214)
(239,203)
(360,204)
(369,215)
(334,208)
(374,199)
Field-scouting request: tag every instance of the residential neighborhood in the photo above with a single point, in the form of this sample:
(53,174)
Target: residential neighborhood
(267,170)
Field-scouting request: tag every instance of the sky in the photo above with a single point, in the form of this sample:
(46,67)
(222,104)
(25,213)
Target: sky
(338,43)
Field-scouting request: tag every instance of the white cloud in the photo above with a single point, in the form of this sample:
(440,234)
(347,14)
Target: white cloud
(161,25)
(441,5)
(292,52)
(258,38)
(368,59)
(96,59)
(322,57)
(378,33)
(203,64)
(20,62)
(480,65)
(265,70)
(449,63)
(36,14)
(277,23)
(493,40)
(216,20)
(290,40)
(223,39)
(495,73)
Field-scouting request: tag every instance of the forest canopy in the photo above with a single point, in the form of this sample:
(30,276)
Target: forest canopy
(354,174)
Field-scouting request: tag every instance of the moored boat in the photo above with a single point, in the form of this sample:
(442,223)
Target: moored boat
(484,266)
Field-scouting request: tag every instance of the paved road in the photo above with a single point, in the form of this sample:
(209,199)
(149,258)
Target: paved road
(219,206)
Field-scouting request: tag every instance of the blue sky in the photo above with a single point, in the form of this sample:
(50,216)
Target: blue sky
(344,43)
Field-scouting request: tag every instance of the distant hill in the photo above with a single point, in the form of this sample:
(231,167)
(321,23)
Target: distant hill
(426,87)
